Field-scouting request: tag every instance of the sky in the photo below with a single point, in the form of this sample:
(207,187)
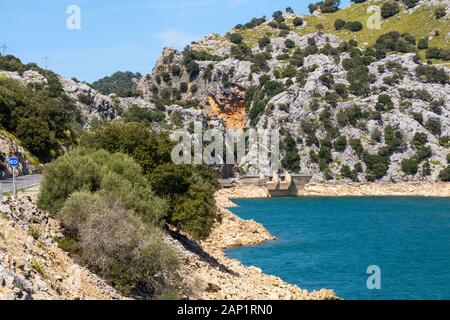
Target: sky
(126,35)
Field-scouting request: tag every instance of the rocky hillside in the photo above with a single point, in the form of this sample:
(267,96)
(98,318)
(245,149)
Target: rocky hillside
(32,267)
(350,106)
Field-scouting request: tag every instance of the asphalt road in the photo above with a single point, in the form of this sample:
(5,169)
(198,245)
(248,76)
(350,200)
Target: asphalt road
(23,182)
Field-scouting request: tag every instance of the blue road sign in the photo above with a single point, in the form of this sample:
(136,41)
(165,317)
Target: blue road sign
(13,162)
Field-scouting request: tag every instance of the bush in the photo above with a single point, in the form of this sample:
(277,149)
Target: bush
(389,9)
(143,115)
(99,171)
(444,175)
(339,24)
(36,137)
(115,242)
(411,3)
(120,83)
(195,212)
(354,26)
(236,38)
(340,144)
(433,53)
(291,160)
(264,42)
(43,121)
(297,22)
(357,147)
(346,172)
(440,13)
(434,125)
(86,99)
(377,166)
(327,80)
(423,44)
(432,74)
(410,166)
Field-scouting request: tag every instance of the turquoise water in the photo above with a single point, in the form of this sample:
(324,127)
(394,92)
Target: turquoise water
(330,243)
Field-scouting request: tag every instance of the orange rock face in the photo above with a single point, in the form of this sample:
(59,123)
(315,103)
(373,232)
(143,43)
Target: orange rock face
(230,107)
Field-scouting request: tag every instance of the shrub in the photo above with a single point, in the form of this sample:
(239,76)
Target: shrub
(434,125)
(426,169)
(346,172)
(195,212)
(184,87)
(410,166)
(264,42)
(36,136)
(327,79)
(99,171)
(357,147)
(444,175)
(340,144)
(377,166)
(393,139)
(297,22)
(339,24)
(291,160)
(354,26)
(423,44)
(236,38)
(86,99)
(143,115)
(440,13)
(376,135)
(115,242)
(411,3)
(389,9)
(432,74)
(433,53)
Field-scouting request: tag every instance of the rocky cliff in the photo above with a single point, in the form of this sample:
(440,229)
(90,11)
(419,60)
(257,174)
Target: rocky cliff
(369,111)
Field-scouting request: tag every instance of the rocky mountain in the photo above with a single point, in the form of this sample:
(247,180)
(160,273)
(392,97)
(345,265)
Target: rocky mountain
(350,106)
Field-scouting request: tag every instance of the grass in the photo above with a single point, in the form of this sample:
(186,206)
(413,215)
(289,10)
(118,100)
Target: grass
(34,232)
(38,267)
(420,23)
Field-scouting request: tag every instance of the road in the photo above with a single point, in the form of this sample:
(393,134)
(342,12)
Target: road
(23,182)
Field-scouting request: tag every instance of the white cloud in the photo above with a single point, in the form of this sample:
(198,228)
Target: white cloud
(175,38)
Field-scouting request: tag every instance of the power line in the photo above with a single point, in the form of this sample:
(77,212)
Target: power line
(4,47)
(46,58)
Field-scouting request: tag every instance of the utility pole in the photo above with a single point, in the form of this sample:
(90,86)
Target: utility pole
(4,47)
(46,58)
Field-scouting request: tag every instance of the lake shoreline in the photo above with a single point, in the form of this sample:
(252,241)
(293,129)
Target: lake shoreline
(233,280)
(235,232)
(336,189)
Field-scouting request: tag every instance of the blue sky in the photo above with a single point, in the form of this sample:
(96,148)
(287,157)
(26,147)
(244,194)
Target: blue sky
(119,34)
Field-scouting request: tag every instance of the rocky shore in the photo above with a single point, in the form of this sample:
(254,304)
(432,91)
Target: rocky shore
(425,189)
(211,275)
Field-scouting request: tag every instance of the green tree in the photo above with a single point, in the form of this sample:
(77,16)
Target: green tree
(195,211)
(389,9)
(36,137)
(339,24)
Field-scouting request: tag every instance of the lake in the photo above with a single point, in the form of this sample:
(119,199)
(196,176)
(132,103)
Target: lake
(331,242)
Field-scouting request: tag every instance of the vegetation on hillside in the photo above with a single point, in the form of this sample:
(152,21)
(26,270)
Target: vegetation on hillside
(123,172)
(422,23)
(121,83)
(43,118)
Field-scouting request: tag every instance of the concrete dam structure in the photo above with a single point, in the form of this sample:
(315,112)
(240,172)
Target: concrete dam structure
(279,185)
